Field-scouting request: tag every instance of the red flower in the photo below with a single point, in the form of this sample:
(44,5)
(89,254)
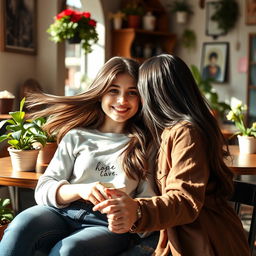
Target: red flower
(87,15)
(67,12)
(92,23)
(76,17)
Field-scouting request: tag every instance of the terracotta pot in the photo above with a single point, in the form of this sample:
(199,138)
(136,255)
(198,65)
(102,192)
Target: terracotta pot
(23,160)
(134,21)
(2,229)
(247,144)
(6,105)
(45,156)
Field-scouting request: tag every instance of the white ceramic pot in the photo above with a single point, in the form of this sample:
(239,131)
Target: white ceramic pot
(247,144)
(181,17)
(117,22)
(23,160)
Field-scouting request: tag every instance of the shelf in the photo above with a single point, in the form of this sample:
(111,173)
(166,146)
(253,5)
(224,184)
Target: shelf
(142,31)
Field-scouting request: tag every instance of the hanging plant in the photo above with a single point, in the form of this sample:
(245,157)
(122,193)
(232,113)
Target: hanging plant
(188,39)
(226,14)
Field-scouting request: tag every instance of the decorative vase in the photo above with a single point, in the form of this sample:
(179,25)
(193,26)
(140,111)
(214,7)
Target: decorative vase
(247,144)
(149,21)
(45,156)
(23,160)
(133,21)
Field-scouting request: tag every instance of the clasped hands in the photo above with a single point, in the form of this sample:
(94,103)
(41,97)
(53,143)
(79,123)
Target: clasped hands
(117,205)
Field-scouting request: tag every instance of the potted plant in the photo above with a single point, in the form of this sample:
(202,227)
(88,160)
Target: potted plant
(246,135)
(22,135)
(74,25)
(226,14)
(133,11)
(47,147)
(182,10)
(6,215)
(188,39)
(117,19)
(218,108)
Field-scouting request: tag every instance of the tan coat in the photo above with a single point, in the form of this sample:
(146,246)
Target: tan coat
(192,221)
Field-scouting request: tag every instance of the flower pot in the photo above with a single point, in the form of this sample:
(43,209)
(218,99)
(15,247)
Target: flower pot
(117,22)
(23,160)
(2,229)
(181,17)
(133,21)
(45,156)
(75,40)
(6,105)
(247,144)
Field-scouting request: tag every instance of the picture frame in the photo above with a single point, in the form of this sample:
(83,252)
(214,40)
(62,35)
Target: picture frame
(214,61)
(250,12)
(19,23)
(212,28)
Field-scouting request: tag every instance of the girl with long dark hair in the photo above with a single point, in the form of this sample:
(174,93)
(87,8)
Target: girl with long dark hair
(192,212)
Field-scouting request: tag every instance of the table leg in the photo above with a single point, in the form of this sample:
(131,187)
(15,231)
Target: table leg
(14,195)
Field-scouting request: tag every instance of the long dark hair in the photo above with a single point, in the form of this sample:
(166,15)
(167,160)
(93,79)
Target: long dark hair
(170,95)
(84,110)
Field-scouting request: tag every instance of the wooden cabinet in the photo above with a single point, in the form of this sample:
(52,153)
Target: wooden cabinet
(141,44)
(251,84)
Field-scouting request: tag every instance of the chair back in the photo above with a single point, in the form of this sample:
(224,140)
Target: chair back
(245,193)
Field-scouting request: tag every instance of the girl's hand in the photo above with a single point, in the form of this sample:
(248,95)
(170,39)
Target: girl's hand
(120,210)
(95,194)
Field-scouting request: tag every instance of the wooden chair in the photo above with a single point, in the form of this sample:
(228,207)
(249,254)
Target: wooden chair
(245,193)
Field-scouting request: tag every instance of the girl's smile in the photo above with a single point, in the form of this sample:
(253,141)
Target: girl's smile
(120,103)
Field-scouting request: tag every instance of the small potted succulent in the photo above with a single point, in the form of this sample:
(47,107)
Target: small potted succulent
(182,9)
(6,215)
(75,26)
(22,136)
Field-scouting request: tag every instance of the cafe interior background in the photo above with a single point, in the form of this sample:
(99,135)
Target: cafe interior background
(62,68)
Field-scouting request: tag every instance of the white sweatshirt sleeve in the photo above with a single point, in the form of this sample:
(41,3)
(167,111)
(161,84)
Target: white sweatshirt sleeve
(57,173)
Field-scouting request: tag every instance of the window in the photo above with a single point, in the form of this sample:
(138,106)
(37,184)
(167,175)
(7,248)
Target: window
(80,68)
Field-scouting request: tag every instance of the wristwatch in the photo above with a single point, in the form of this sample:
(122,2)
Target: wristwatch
(139,215)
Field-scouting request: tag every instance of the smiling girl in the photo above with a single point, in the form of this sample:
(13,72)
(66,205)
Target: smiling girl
(101,141)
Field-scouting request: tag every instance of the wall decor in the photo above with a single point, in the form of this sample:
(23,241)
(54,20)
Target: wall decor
(250,12)
(214,61)
(18,33)
(212,27)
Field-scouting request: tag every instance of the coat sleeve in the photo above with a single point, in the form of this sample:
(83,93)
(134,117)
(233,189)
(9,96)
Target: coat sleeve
(183,176)
(57,173)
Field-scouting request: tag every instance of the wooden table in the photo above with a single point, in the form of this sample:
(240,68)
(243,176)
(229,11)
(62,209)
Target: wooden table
(241,164)
(14,180)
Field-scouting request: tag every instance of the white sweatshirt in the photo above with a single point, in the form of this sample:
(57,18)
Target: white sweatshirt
(86,156)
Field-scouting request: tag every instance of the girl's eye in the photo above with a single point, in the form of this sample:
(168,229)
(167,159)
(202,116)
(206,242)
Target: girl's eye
(113,91)
(133,93)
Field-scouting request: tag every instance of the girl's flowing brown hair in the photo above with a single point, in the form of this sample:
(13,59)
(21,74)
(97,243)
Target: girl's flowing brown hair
(84,110)
(171,95)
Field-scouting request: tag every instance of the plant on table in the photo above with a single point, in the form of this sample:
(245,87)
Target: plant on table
(236,115)
(21,133)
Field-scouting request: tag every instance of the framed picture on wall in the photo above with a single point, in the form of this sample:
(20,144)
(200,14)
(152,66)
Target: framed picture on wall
(250,12)
(214,61)
(19,26)
(212,28)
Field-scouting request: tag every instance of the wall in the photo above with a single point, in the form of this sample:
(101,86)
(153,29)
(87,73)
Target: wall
(238,48)
(47,66)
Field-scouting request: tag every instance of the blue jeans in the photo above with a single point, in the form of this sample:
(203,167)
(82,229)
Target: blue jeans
(74,230)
